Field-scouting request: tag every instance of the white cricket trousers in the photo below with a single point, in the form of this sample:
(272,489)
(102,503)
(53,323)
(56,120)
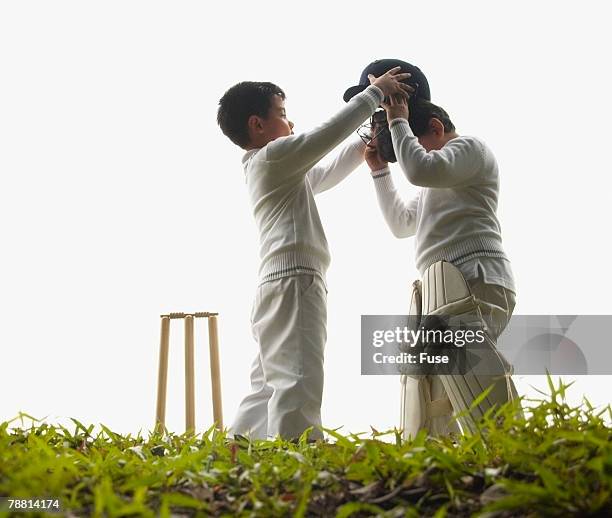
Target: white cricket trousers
(289,323)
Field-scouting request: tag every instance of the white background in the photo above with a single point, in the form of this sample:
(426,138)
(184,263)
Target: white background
(121,199)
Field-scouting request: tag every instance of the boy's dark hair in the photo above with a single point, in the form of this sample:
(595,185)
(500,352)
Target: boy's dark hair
(422,111)
(239,103)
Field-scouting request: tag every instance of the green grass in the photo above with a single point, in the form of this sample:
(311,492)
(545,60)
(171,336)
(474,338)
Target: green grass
(557,461)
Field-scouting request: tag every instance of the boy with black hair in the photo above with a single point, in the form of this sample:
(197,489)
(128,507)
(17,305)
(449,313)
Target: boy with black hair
(289,315)
(454,219)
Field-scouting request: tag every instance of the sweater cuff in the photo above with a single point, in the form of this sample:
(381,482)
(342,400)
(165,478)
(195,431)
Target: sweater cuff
(384,185)
(400,128)
(385,171)
(374,96)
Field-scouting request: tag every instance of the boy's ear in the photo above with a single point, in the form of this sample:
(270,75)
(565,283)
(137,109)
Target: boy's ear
(254,124)
(436,127)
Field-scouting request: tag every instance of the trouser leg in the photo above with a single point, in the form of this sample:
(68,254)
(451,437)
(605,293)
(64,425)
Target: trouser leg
(252,417)
(291,327)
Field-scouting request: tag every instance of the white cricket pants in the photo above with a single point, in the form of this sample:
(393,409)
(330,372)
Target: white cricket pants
(289,323)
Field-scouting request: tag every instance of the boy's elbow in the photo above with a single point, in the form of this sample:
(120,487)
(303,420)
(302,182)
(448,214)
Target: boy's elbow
(415,175)
(416,179)
(397,233)
(426,177)
(400,231)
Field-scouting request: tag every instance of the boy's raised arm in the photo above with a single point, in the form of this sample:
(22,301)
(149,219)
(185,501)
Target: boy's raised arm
(303,151)
(454,165)
(296,154)
(350,157)
(400,216)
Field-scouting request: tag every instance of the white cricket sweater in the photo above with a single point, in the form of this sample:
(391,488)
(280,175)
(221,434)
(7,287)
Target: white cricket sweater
(453,215)
(282,177)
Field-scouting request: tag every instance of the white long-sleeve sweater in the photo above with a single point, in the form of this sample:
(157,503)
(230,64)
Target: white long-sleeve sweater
(454,213)
(282,178)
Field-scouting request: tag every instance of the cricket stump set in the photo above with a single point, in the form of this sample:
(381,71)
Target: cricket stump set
(215,373)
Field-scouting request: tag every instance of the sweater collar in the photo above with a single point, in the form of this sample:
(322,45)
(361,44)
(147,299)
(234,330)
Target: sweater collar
(247,157)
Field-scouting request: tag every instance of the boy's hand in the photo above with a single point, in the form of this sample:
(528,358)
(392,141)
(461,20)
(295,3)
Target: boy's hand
(390,82)
(396,107)
(372,157)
